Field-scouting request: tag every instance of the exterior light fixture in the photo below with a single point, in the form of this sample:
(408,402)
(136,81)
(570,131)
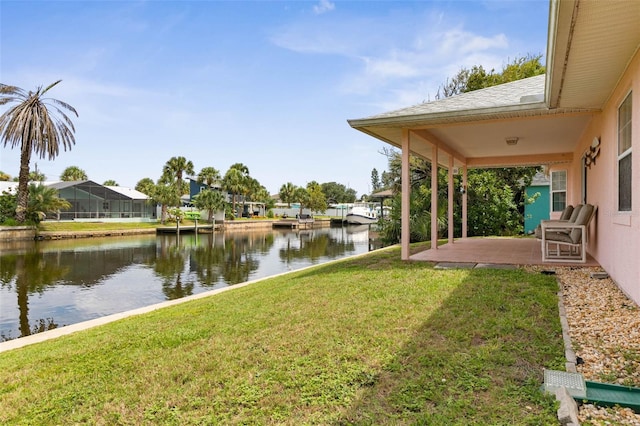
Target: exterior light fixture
(592,152)
(512,141)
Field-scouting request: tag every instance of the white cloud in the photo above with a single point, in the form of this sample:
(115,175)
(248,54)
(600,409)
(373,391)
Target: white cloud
(323,7)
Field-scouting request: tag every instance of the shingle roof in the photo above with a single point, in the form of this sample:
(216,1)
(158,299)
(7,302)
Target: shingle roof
(521,92)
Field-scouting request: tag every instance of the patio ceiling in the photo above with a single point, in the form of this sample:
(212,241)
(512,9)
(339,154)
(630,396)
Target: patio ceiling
(590,44)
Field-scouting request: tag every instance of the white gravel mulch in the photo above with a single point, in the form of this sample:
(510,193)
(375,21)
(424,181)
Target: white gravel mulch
(604,326)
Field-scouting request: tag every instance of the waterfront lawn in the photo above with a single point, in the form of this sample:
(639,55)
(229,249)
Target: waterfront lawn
(369,340)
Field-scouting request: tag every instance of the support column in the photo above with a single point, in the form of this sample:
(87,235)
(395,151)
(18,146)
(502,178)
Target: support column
(464,201)
(405,234)
(450,192)
(434,197)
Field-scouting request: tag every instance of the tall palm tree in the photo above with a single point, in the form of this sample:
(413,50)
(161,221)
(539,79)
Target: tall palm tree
(234,182)
(287,192)
(36,124)
(73,173)
(209,176)
(174,170)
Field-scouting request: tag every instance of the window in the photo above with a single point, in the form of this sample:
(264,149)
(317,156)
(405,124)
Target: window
(558,190)
(624,155)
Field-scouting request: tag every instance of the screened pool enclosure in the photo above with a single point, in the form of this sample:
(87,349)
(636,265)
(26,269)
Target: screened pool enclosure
(90,200)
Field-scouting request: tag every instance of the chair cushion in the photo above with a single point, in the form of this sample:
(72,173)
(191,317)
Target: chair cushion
(575,213)
(566,213)
(560,236)
(583,219)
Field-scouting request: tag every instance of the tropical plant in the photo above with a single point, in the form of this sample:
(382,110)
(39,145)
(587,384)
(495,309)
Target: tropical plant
(44,200)
(166,196)
(145,185)
(4,176)
(209,176)
(209,200)
(287,192)
(301,195)
(174,170)
(110,182)
(36,176)
(234,182)
(73,173)
(37,125)
(8,204)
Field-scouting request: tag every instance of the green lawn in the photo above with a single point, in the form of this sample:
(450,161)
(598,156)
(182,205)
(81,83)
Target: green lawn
(369,340)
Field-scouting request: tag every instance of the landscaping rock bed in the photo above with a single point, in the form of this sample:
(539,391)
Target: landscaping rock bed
(604,327)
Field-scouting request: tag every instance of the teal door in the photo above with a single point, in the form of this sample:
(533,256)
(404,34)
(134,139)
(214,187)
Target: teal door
(537,210)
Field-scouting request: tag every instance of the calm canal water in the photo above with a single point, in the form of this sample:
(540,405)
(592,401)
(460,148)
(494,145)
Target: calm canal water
(50,284)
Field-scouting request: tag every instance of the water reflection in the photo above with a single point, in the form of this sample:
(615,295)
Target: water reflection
(47,284)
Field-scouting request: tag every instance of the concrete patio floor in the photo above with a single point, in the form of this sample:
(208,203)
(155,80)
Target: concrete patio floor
(493,250)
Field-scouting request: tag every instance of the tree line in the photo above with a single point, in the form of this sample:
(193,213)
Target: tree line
(40,125)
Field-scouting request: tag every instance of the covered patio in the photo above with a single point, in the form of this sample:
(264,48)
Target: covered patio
(544,120)
(494,251)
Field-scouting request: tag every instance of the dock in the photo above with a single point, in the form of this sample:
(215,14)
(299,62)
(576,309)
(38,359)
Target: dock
(186,228)
(294,223)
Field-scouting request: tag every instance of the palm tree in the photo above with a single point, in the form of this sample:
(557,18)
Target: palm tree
(166,196)
(145,185)
(73,173)
(209,176)
(36,124)
(4,176)
(36,176)
(43,200)
(234,182)
(301,195)
(174,170)
(287,192)
(209,200)
(110,182)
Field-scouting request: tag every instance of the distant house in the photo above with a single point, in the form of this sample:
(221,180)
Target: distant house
(581,120)
(90,200)
(538,209)
(196,187)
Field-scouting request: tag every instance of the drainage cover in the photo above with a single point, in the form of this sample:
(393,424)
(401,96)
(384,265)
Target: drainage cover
(573,382)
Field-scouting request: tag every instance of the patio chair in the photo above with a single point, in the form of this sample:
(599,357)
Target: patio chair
(569,214)
(568,238)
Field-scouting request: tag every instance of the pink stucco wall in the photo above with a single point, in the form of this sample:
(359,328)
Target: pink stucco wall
(615,236)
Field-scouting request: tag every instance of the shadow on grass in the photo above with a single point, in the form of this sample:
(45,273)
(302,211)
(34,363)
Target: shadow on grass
(478,359)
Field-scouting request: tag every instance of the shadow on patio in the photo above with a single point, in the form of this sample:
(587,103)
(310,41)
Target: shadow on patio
(493,250)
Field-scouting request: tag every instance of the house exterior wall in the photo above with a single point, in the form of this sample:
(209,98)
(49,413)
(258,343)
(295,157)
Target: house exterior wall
(614,238)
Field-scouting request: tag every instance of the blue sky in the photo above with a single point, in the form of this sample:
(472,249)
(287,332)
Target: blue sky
(269,84)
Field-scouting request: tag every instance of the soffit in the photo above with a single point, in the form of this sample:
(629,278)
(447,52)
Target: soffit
(591,44)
